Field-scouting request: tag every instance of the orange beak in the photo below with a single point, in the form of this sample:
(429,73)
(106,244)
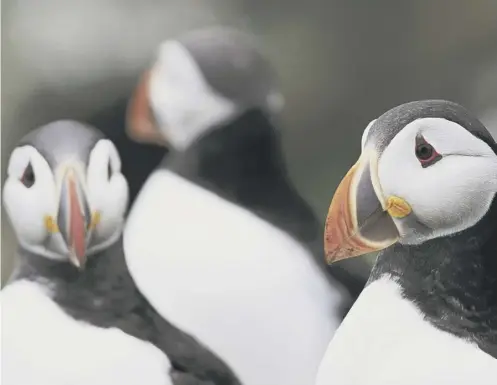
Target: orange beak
(74,221)
(141,125)
(358,220)
(74,218)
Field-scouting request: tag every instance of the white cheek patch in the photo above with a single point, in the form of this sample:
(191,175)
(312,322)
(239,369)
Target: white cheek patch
(107,196)
(449,138)
(97,164)
(19,160)
(183,102)
(450,195)
(27,207)
(365,134)
(112,206)
(103,154)
(115,159)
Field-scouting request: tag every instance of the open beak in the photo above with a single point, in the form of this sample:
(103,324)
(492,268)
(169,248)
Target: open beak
(141,125)
(74,219)
(360,219)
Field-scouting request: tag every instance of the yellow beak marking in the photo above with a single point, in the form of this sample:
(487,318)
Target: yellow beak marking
(398,207)
(50,224)
(52,227)
(95,220)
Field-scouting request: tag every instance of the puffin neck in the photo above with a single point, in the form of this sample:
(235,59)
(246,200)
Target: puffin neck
(102,293)
(243,162)
(234,156)
(34,266)
(453,279)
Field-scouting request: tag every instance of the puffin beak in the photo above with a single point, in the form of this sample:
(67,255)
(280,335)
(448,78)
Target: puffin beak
(74,219)
(141,125)
(359,219)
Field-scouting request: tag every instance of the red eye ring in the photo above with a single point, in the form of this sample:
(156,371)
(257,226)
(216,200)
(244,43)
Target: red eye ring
(425,152)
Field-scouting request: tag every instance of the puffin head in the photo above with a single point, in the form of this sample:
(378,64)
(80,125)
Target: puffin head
(427,169)
(64,194)
(198,81)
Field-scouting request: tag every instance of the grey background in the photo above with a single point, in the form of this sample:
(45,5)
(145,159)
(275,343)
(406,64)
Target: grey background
(341,63)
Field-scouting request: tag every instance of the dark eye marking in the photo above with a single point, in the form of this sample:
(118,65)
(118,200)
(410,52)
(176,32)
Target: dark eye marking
(426,154)
(109,170)
(28,176)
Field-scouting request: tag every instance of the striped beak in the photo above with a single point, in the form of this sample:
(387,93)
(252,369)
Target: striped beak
(359,219)
(74,219)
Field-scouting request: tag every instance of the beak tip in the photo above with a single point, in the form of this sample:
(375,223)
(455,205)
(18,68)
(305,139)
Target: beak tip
(78,261)
(329,258)
(336,245)
(329,250)
(339,245)
(338,254)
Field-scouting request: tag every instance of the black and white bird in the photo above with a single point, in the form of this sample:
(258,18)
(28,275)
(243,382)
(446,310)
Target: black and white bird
(219,240)
(424,192)
(71,312)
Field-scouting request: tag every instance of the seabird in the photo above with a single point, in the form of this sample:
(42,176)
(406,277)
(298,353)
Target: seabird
(423,191)
(71,311)
(219,240)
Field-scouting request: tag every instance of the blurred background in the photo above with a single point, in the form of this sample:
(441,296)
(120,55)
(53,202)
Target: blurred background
(341,64)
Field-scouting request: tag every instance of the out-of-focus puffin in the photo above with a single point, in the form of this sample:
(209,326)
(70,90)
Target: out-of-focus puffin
(423,190)
(219,240)
(71,313)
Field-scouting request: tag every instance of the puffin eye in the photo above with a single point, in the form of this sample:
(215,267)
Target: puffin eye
(425,153)
(109,170)
(28,176)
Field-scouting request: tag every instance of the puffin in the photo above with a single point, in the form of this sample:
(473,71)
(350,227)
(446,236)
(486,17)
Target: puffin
(423,194)
(73,313)
(218,239)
